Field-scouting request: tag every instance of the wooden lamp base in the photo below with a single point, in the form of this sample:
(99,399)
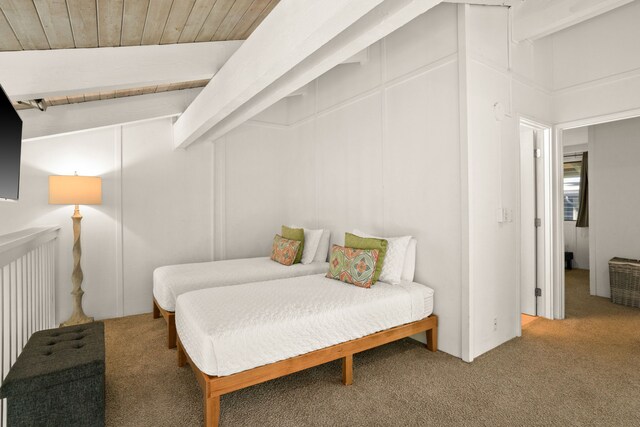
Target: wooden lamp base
(78,317)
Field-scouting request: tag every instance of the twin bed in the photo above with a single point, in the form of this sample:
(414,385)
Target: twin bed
(277,320)
(171,281)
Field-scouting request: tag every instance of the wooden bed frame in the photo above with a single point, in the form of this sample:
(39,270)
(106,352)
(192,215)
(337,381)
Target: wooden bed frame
(170,317)
(214,387)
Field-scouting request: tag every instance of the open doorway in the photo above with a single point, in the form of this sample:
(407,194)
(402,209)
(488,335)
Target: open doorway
(607,148)
(575,167)
(535,217)
(610,233)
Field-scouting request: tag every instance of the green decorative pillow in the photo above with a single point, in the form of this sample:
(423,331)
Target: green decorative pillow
(294,234)
(284,250)
(354,266)
(357,242)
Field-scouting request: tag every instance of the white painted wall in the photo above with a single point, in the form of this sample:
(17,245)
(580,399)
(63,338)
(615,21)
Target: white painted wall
(167,201)
(614,150)
(576,240)
(252,182)
(535,19)
(575,140)
(387,155)
(492,254)
(157,209)
(373,146)
(596,65)
(517,78)
(94,153)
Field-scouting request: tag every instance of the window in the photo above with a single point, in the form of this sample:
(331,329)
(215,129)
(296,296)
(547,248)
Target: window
(572,168)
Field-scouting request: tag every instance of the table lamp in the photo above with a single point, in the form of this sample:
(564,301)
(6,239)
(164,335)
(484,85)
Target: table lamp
(76,190)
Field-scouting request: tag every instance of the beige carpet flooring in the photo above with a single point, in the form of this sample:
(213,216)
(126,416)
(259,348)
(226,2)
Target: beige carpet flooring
(582,371)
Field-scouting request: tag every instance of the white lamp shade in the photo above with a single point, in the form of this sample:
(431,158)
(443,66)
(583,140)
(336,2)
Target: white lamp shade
(75,190)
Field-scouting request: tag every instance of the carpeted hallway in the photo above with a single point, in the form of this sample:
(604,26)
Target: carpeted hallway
(582,371)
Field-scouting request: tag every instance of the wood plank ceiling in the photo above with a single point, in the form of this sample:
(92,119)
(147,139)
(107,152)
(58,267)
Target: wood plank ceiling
(65,24)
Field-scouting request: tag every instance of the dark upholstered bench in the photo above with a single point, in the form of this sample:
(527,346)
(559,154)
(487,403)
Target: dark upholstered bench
(58,379)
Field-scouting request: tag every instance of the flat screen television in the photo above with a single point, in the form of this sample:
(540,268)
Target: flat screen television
(10,148)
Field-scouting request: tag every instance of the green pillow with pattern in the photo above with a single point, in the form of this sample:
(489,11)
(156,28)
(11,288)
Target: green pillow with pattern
(354,266)
(294,234)
(357,242)
(284,250)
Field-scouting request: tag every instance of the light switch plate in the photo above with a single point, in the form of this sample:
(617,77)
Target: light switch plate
(508,215)
(504,215)
(500,215)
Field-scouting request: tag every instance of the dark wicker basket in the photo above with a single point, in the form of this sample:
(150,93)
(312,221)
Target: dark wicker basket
(624,276)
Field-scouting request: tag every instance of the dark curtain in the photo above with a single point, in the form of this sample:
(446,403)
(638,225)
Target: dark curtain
(583,210)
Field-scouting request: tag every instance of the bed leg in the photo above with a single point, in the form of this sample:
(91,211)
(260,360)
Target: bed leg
(182,356)
(211,411)
(171,330)
(156,310)
(432,339)
(347,370)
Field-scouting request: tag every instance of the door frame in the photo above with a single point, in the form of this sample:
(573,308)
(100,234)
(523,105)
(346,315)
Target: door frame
(550,158)
(558,185)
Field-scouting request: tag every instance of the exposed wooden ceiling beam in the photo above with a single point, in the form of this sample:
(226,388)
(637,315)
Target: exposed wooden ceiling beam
(383,20)
(50,73)
(535,19)
(76,117)
(120,93)
(297,42)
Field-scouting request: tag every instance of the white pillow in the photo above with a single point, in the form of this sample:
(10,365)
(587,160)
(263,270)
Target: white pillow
(323,248)
(311,242)
(394,259)
(409,269)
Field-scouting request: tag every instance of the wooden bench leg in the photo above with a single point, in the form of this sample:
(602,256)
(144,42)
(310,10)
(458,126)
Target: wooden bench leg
(347,370)
(156,310)
(171,330)
(432,339)
(211,411)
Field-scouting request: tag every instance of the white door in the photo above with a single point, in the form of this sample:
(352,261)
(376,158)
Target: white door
(527,221)
(531,214)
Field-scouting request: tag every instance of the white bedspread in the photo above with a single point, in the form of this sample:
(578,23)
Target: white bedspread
(232,329)
(171,281)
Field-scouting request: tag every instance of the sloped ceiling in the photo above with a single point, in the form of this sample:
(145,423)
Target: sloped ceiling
(65,24)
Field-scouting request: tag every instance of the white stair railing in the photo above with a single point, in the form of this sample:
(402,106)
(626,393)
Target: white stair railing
(27,292)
